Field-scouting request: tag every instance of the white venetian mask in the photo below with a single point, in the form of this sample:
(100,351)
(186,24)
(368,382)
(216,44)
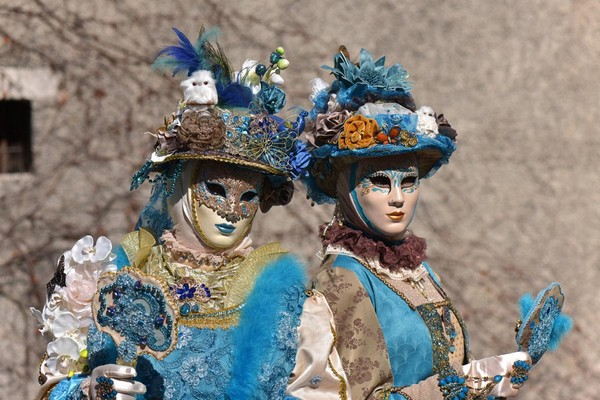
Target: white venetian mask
(384,193)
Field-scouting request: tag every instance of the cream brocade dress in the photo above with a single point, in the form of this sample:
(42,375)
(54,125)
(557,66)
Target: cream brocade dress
(396,331)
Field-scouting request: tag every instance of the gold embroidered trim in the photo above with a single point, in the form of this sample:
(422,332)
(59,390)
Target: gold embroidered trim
(442,303)
(41,377)
(243,281)
(399,390)
(440,344)
(222,158)
(399,293)
(463,327)
(343,386)
(212,321)
(387,392)
(461,322)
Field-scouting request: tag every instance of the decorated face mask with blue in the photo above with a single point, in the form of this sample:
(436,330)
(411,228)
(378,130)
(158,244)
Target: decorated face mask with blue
(384,193)
(225,199)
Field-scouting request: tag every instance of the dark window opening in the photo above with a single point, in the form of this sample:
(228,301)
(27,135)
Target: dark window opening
(15,136)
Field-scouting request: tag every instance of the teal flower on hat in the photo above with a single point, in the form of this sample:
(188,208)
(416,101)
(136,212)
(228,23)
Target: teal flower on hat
(271,98)
(369,72)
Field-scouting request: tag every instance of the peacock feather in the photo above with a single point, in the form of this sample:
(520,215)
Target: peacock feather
(188,57)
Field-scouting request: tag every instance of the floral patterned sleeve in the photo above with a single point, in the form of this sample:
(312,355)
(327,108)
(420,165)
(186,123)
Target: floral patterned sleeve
(360,341)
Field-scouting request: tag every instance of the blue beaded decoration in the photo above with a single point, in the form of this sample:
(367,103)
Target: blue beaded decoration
(167,176)
(139,313)
(449,327)
(315,380)
(104,388)
(520,373)
(453,386)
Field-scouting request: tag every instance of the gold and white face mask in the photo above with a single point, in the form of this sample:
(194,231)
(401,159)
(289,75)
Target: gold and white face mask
(225,199)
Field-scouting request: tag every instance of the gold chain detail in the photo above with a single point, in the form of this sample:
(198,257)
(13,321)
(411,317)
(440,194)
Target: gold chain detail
(343,386)
(419,286)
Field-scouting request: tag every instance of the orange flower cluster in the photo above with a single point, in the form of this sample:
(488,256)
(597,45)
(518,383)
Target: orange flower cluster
(361,132)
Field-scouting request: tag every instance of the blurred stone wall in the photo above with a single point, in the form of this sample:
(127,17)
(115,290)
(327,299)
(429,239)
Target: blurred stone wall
(516,209)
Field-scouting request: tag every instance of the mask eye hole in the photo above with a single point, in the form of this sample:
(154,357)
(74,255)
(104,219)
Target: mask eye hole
(248,195)
(381,181)
(215,189)
(409,181)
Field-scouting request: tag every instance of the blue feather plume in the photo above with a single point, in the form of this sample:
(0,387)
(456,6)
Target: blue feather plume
(234,95)
(187,56)
(256,333)
(562,326)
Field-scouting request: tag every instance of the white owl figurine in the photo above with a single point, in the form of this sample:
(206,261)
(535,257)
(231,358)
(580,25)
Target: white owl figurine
(427,122)
(200,89)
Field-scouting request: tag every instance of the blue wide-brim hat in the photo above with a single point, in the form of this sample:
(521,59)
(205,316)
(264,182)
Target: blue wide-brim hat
(368,112)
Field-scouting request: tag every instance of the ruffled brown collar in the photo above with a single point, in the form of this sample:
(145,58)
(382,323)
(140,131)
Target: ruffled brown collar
(407,254)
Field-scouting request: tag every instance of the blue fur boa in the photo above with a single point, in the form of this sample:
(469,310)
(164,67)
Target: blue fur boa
(278,291)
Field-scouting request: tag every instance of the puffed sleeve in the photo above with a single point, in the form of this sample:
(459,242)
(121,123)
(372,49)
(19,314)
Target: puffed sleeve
(360,343)
(318,373)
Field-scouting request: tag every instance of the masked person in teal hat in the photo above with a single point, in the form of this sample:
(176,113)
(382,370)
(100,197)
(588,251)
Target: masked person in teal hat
(186,307)
(398,334)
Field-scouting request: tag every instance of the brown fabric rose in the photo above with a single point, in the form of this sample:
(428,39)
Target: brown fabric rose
(275,195)
(359,133)
(200,131)
(444,127)
(327,128)
(167,141)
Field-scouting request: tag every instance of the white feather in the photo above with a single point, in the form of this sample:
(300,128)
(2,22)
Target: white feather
(318,85)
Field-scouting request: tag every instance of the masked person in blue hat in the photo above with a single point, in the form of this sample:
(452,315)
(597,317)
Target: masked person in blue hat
(398,334)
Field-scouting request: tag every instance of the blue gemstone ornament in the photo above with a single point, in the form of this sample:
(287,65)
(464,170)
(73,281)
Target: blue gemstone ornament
(260,69)
(274,57)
